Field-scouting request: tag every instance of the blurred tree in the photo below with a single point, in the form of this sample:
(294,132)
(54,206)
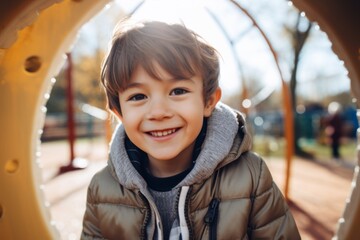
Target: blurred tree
(57,102)
(344,98)
(298,35)
(255,85)
(88,53)
(87,79)
(272,103)
(87,89)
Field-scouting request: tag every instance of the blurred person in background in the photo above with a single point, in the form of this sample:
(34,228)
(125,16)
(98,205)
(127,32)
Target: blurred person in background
(334,125)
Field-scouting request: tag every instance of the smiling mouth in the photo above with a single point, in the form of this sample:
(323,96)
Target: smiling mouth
(162,133)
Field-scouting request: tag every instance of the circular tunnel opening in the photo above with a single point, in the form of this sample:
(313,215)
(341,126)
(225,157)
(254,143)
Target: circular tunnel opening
(269,145)
(33,64)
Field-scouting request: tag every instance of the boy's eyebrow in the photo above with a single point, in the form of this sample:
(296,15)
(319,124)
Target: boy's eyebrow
(181,79)
(139,84)
(133,85)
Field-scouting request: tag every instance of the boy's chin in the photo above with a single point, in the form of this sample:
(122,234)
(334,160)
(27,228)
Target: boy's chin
(162,158)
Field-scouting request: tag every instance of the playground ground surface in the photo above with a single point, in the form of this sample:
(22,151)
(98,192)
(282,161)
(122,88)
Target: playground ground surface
(318,189)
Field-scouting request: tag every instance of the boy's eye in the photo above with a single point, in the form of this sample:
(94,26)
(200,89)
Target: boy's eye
(178,91)
(137,97)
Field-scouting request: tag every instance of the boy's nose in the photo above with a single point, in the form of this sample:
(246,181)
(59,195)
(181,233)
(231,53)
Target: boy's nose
(159,109)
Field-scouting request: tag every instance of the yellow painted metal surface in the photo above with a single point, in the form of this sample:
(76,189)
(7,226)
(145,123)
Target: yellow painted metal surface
(341,21)
(34,35)
(26,69)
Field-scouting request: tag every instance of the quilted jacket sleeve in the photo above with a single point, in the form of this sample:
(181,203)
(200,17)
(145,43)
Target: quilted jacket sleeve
(90,222)
(270,216)
(91,226)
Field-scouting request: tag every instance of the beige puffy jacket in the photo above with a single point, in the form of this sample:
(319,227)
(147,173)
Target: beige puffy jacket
(238,201)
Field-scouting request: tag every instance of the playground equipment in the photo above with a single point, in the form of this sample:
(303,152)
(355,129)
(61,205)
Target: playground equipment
(34,37)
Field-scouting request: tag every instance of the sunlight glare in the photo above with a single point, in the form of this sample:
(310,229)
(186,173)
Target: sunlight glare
(193,15)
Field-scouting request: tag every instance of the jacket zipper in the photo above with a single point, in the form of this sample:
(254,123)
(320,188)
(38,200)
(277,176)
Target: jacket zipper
(188,222)
(211,217)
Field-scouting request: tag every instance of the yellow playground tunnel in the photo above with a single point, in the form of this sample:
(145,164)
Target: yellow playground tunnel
(34,37)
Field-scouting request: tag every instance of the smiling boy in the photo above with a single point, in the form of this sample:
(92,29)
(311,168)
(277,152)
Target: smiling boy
(180,164)
(163,116)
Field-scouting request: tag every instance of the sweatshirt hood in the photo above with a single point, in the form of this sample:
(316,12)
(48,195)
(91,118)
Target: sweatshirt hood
(226,138)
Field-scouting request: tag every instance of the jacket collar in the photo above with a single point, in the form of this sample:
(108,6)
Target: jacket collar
(226,139)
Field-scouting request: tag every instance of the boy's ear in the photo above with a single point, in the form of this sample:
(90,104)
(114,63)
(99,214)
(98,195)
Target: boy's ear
(212,101)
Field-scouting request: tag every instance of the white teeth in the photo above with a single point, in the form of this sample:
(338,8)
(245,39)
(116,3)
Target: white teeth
(162,133)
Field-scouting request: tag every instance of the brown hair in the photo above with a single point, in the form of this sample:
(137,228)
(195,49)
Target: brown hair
(178,50)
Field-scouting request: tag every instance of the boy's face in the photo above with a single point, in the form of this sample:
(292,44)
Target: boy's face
(164,117)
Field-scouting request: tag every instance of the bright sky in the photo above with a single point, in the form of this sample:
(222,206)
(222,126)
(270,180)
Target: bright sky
(247,58)
(256,62)
(193,15)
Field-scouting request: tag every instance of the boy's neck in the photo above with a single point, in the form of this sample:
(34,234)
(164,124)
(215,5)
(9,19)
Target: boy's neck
(171,167)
